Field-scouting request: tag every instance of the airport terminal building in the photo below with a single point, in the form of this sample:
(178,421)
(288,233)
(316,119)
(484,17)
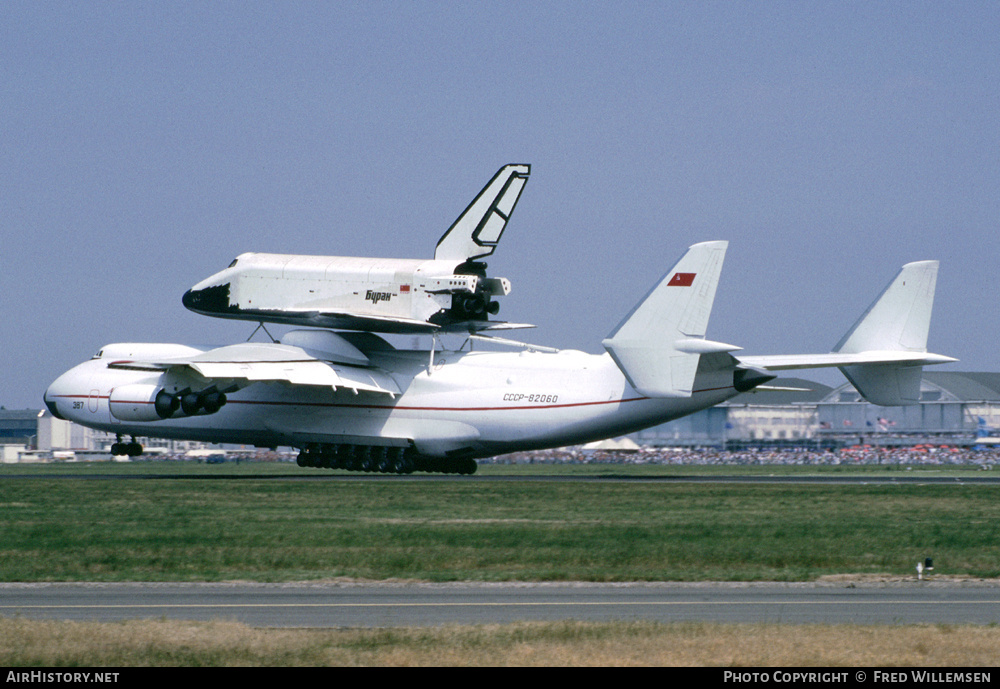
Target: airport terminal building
(34,434)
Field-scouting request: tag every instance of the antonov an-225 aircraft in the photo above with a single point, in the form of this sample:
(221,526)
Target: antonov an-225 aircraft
(351,400)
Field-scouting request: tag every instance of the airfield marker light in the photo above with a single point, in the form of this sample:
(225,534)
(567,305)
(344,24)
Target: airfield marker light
(920,570)
(929,564)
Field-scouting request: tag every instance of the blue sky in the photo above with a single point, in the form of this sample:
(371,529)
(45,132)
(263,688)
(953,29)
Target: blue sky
(146,144)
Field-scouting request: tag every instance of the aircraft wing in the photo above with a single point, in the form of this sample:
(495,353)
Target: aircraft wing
(267,362)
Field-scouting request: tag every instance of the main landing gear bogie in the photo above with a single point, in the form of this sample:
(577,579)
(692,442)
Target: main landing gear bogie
(383,460)
(131,449)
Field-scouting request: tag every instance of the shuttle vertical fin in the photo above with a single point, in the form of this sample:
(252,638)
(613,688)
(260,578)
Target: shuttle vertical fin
(477,231)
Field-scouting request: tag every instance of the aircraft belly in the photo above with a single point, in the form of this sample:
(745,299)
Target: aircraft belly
(510,407)
(590,405)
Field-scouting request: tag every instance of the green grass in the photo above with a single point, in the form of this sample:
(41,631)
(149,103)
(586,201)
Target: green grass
(273,529)
(290,470)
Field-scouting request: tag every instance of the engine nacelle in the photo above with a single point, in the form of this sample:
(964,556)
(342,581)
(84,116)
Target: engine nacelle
(136,402)
(142,402)
(207,401)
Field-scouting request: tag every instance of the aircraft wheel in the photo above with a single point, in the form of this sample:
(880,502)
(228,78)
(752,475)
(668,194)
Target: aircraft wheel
(402,463)
(368,462)
(383,462)
(465,467)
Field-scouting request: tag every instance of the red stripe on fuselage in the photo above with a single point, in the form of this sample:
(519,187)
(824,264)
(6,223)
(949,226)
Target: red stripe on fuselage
(408,408)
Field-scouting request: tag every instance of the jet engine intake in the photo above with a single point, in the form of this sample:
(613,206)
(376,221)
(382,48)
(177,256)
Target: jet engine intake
(208,401)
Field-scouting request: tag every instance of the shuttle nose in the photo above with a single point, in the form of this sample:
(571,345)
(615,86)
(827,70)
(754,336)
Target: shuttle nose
(207,299)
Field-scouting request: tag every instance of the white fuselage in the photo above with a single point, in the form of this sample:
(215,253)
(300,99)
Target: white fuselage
(476,404)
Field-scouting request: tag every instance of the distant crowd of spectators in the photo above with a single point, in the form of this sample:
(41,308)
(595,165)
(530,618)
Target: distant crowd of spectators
(848,456)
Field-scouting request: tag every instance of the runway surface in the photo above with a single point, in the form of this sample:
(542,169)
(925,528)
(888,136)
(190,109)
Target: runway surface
(390,605)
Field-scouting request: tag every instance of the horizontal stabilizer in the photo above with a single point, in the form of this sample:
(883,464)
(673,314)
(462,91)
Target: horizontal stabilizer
(658,345)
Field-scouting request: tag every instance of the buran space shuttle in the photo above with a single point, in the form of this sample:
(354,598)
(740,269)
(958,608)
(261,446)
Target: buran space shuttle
(450,293)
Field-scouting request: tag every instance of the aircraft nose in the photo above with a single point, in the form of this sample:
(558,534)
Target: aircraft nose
(52,393)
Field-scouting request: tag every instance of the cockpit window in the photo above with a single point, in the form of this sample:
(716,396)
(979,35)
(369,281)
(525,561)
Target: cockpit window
(234,262)
(98,355)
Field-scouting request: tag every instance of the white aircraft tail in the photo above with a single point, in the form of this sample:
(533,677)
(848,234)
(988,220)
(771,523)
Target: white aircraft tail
(884,353)
(897,321)
(477,231)
(658,345)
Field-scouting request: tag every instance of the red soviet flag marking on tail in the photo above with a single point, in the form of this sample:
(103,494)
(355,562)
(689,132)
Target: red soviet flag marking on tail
(681,280)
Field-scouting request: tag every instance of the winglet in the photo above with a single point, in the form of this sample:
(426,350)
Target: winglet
(658,345)
(477,231)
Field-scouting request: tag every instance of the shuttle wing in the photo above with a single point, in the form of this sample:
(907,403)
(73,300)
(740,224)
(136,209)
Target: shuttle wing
(368,322)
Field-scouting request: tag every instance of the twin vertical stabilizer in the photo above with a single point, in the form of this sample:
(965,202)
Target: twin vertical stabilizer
(659,343)
(884,353)
(897,321)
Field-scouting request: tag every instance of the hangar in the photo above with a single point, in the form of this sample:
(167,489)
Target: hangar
(955,407)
